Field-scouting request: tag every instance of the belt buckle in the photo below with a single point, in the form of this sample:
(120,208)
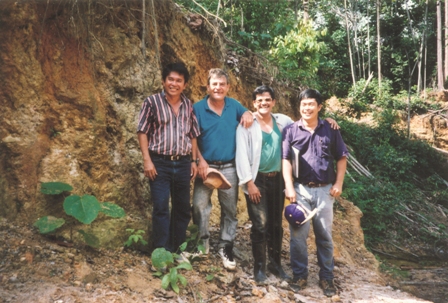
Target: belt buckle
(174,157)
(312,184)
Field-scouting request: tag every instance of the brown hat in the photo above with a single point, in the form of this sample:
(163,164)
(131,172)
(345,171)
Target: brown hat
(215,179)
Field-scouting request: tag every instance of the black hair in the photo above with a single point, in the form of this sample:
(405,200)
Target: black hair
(311,94)
(179,68)
(263,89)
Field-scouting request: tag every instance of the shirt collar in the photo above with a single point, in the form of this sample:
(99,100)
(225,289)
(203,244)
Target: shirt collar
(319,124)
(226,104)
(183,98)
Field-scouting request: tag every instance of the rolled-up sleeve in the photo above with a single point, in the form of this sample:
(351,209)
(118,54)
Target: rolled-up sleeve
(144,118)
(195,130)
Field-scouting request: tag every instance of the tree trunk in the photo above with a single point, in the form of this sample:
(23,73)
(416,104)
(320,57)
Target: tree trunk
(356,38)
(378,39)
(439,47)
(445,75)
(305,10)
(426,52)
(421,69)
(296,9)
(349,45)
(368,43)
(143,46)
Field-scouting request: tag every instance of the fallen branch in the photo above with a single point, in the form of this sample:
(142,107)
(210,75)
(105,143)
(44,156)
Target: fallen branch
(397,212)
(383,253)
(405,251)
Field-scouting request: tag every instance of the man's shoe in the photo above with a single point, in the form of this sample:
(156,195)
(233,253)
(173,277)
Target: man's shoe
(226,255)
(297,284)
(277,270)
(328,287)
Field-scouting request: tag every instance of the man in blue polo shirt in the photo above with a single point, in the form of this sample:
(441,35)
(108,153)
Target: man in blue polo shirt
(218,117)
(315,187)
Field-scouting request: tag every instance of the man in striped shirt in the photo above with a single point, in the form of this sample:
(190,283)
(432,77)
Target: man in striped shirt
(167,132)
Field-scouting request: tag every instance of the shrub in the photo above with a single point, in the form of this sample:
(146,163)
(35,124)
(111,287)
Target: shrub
(83,208)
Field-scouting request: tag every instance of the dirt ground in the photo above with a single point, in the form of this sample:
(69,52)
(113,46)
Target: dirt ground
(35,269)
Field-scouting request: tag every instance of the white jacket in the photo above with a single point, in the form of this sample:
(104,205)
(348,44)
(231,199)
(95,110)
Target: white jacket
(248,149)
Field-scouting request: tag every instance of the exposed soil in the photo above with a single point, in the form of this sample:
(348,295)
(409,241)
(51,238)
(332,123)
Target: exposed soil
(35,268)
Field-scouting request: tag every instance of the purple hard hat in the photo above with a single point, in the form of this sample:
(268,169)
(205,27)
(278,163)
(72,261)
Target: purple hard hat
(297,214)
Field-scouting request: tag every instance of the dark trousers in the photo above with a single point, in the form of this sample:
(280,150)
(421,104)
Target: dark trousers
(173,179)
(266,216)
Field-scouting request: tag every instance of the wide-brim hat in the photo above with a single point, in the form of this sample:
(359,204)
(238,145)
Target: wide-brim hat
(297,214)
(215,179)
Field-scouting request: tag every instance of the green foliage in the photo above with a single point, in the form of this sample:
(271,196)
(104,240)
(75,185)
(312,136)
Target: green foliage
(135,237)
(112,210)
(48,224)
(256,24)
(251,23)
(402,168)
(193,242)
(163,260)
(298,54)
(54,188)
(369,97)
(90,239)
(84,208)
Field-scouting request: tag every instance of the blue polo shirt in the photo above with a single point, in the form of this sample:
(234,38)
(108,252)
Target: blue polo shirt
(318,151)
(217,141)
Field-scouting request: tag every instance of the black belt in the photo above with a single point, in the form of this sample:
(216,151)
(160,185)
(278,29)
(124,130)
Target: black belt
(221,162)
(171,157)
(314,184)
(270,174)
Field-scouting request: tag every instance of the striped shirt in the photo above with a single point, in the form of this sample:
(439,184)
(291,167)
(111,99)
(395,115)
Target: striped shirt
(167,133)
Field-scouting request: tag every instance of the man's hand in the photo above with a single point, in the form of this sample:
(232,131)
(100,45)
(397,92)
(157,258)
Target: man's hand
(202,169)
(247,119)
(149,169)
(194,170)
(336,190)
(290,194)
(254,192)
(333,123)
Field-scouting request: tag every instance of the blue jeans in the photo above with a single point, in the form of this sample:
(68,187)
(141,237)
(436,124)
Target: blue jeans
(266,216)
(173,179)
(312,198)
(228,198)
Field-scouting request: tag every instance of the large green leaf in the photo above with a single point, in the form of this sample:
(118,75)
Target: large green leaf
(112,210)
(165,281)
(48,224)
(182,280)
(54,188)
(84,208)
(184,265)
(90,239)
(161,258)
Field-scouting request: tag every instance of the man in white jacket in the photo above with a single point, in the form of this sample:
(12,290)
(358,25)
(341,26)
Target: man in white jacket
(258,164)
